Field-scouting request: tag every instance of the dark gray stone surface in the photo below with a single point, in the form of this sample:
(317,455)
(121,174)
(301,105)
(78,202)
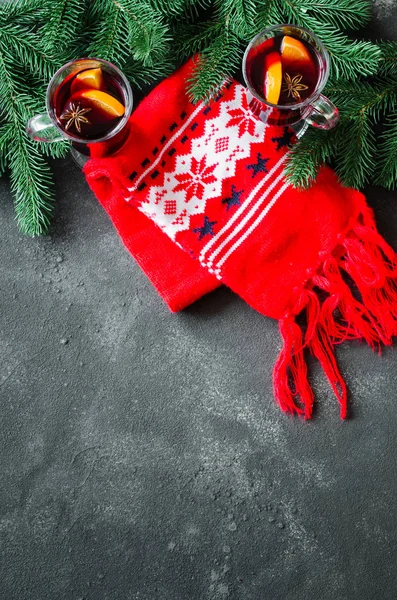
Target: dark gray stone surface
(142,454)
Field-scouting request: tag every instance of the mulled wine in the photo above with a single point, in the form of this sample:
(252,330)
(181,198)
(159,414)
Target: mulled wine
(88,104)
(89,101)
(283,70)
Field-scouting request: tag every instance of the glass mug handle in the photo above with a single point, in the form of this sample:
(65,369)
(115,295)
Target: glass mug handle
(42,129)
(322,113)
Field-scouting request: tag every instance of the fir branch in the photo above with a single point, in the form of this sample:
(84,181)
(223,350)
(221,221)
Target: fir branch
(240,16)
(31,184)
(126,28)
(314,149)
(58,149)
(6,137)
(30,181)
(3,164)
(352,143)
(269,12)
(148,34)
(215,65)
(109,33)
(350,147)
(342,14)
(388,62)
(180,7)
(15,101)
(62,25)
(349,58)
(22,43)
(387,160)
(23,12)
(374,98)
(355,158)
(191,39)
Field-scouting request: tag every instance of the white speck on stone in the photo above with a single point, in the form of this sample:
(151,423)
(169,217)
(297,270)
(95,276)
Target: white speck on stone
(232,526)
(223,589)
(171,546)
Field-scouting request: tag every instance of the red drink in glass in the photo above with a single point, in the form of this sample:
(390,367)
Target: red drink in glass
(88,101)
(285,68)
(306,71)
(88,112)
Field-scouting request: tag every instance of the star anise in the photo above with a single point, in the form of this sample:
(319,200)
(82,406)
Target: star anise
(75,116)
(293,86)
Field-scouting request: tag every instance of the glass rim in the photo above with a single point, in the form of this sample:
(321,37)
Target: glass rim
(320,84)
(128,105)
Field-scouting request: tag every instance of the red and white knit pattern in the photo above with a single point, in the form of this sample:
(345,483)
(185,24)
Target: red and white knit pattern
(248,216)
(214,151)
(197,175)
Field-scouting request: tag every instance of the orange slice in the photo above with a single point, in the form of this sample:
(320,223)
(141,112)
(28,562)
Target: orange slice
(294,50)
(102,101)
(90,78)
(273,77)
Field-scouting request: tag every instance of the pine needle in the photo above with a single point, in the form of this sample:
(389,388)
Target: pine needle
(30,179)
(193,38)
(374,97)
(355,159)
(23,12)
(21,43)
(62,25)
(126,28)
(214,65)
(387,161)
(306,157)
(240,16)
(388,62)
(183,8)
(341,14)
(31,184)
(109,33)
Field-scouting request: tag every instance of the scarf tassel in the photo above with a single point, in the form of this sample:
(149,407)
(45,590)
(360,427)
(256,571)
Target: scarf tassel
(352,296)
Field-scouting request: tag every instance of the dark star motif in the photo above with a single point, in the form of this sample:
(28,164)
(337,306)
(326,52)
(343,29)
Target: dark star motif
(206,229)
(234,199)
(285,139)
(260,166)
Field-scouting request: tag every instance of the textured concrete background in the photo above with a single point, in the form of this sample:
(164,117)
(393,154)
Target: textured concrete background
(142,455)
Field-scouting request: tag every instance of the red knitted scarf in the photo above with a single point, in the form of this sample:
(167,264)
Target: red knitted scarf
(211,178)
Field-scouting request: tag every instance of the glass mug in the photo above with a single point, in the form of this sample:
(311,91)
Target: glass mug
(94,125)
(315,109)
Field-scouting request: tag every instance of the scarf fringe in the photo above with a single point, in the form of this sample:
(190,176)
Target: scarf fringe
(352,296)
